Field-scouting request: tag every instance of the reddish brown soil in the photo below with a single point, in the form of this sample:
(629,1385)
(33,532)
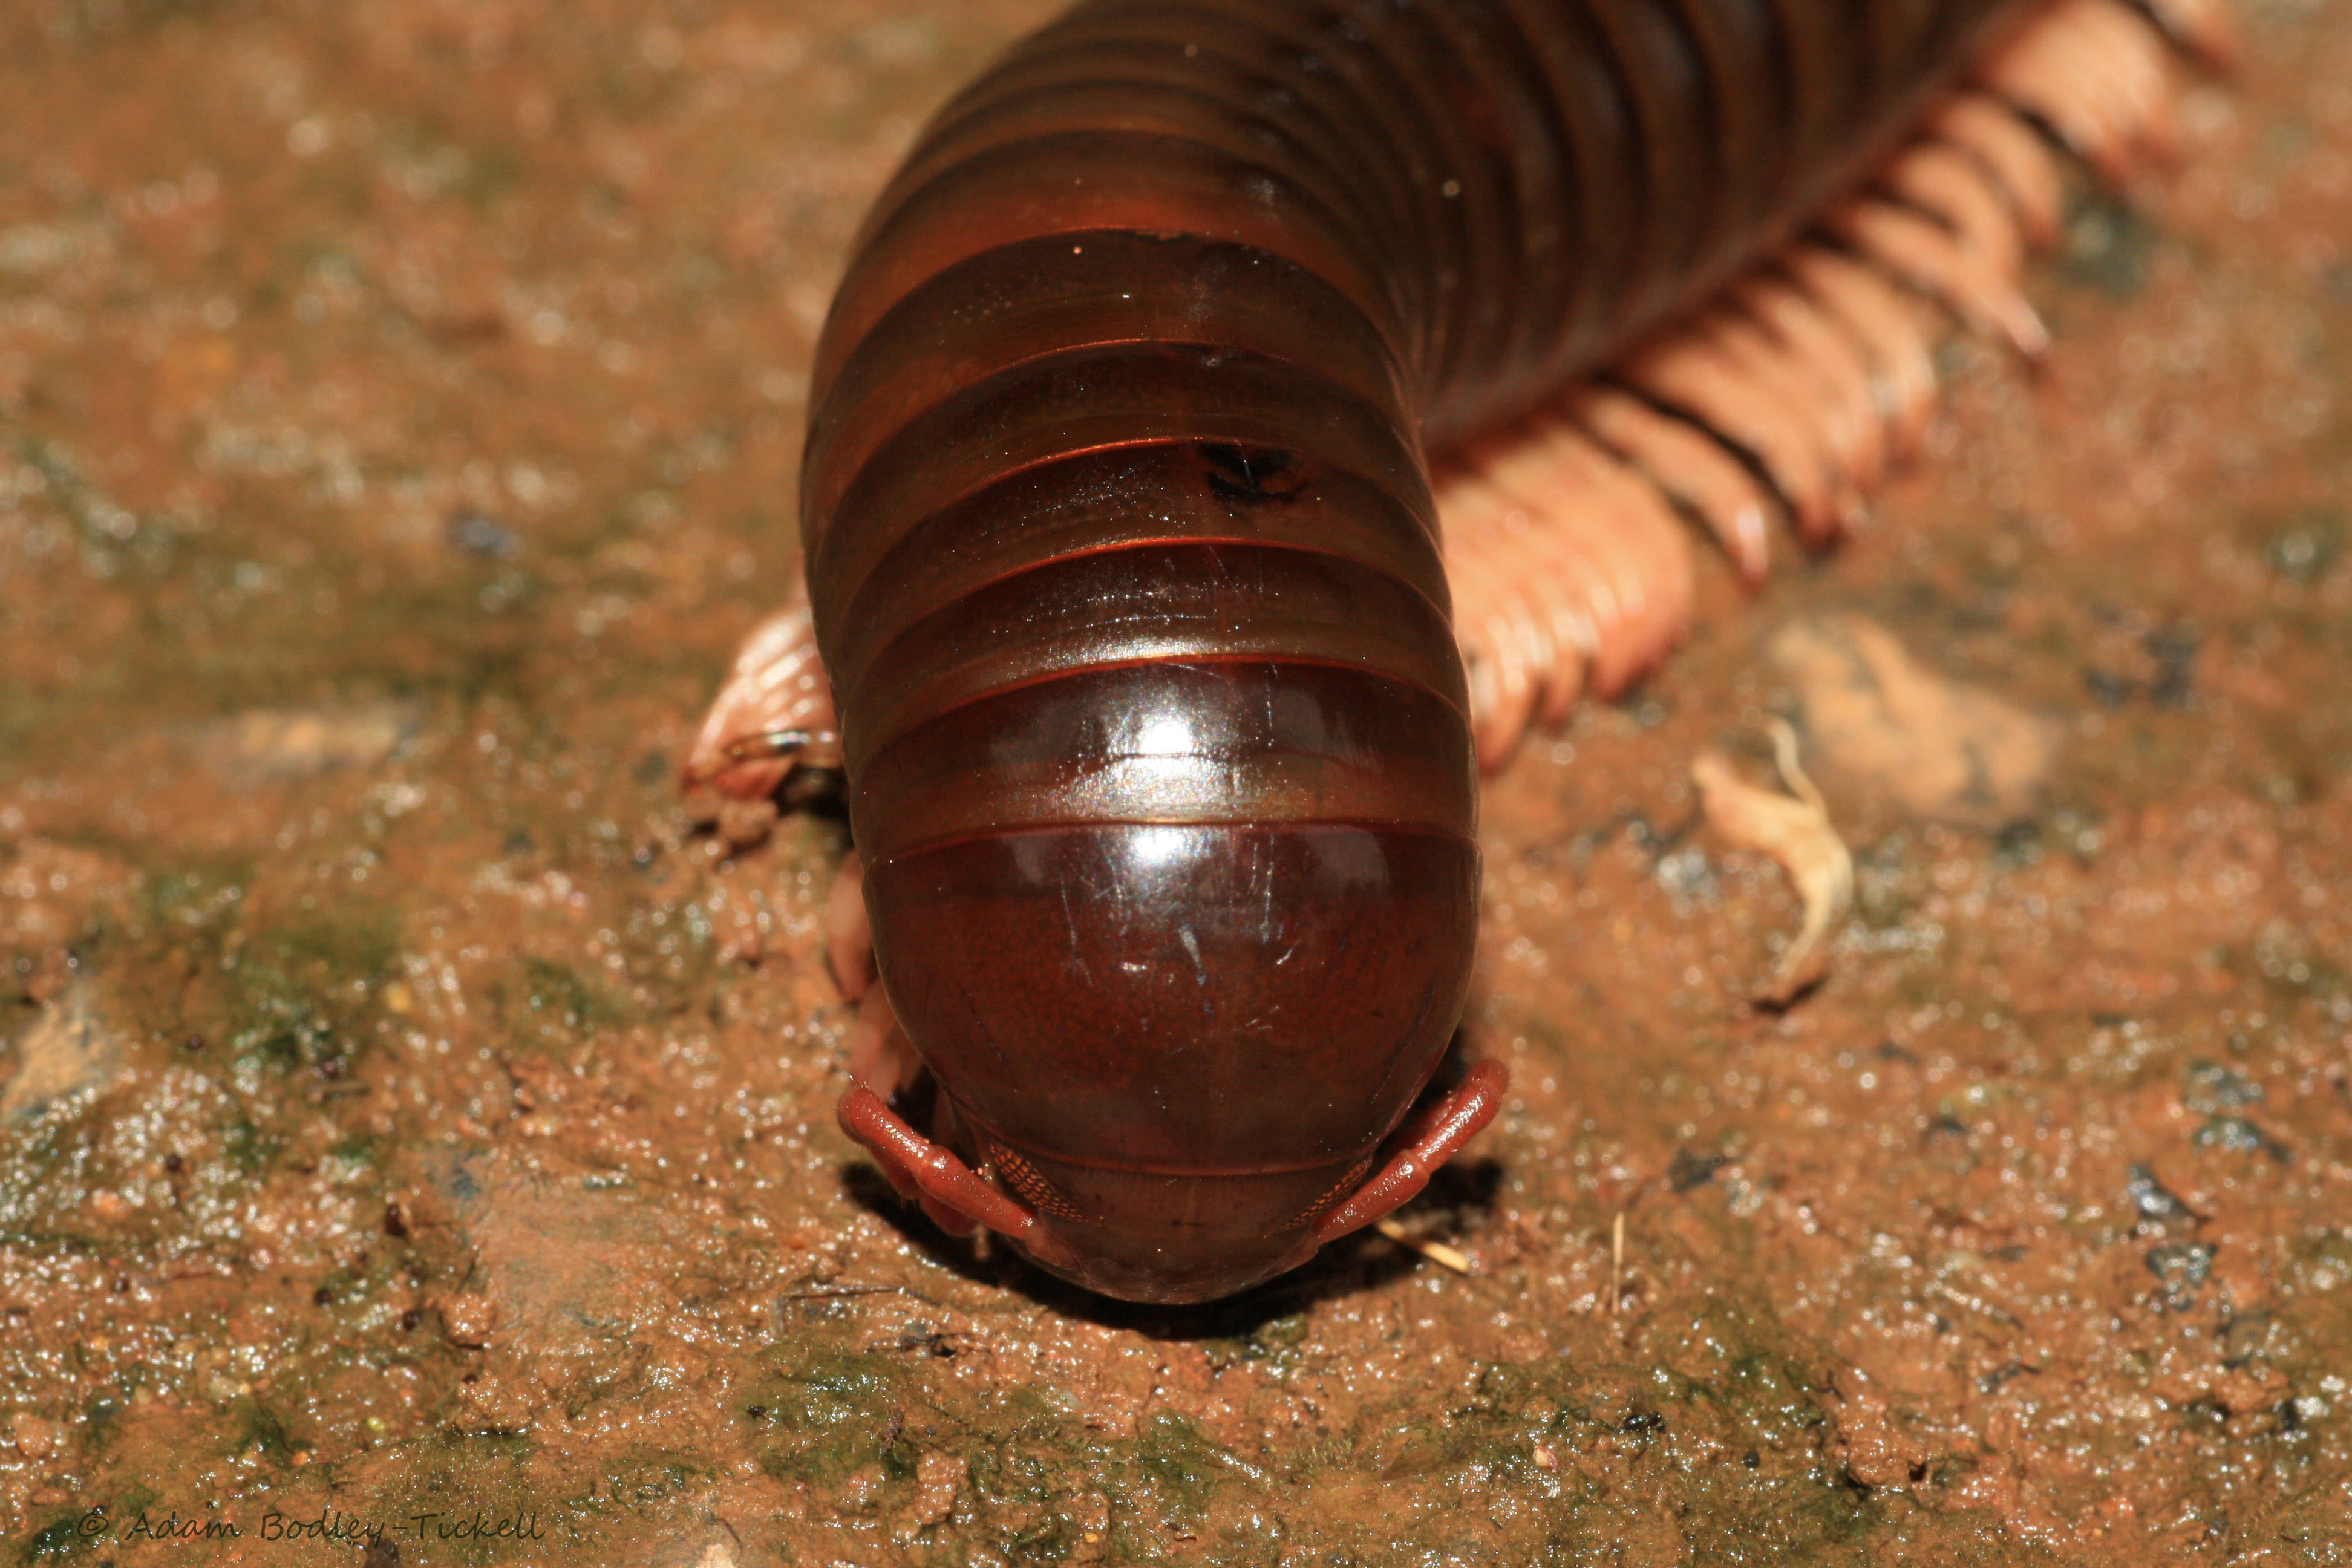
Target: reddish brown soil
(409,1110)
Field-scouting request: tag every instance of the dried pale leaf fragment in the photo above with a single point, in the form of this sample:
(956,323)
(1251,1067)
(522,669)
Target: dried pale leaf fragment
(68,1048)
(1793,830)
(271,746)
(1890,734)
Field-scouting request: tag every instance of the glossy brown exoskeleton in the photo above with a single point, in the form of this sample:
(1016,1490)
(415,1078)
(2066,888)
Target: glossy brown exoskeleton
(1123,563)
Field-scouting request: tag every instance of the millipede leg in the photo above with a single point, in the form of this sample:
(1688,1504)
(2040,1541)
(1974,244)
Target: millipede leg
(1507,646)
(1691,375)
(1435,1139)
(954,1197)
(2206,26)
(1690,467)
(1834,364)
(849,934)
(1886,324)
(1942,180)
(880,1056)
(1798,390)
(2018,160)
(1930,259)
(1652,554)
(2094,75)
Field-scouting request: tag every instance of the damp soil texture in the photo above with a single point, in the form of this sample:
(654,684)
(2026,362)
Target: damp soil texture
(416,1133)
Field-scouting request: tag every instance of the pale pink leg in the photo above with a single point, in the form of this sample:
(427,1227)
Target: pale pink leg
(2050,73)
(1616,534)
(1501,690)
(2019,161)
(1562,564)
(1568,619)
(1888,327)
(949,1193)
(1436,1138)
(848,936)
(2135,58)
(1831,434)
(1502,640)
(2036,77)
(1689,372)
(880,1056)
(1565,567)
(1835,364)
(1552,566)
(2207,27)
(1601,553)
(2100,78)
(1563,607)
(1946,182)
(772,715)
(1529,560)
(1928,258)
(1690,467)
(1482,628)
(1513,550)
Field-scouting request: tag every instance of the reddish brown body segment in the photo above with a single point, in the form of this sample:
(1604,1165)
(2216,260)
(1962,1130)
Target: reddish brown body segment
(1124,566)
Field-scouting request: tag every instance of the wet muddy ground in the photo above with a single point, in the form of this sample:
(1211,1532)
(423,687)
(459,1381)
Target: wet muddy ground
(412,1117)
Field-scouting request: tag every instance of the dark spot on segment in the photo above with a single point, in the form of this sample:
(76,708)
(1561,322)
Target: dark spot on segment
(1251,473)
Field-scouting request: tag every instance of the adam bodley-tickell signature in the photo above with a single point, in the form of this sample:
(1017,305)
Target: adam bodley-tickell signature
(327,1525)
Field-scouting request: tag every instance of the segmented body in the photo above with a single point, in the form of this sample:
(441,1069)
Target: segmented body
(1123,558)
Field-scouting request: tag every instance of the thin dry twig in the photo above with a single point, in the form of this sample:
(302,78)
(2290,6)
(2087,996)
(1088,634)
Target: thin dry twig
(845,1293)
(1617,1263)
(1437,1252)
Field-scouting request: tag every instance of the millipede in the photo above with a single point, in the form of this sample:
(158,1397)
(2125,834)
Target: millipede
(1240,421)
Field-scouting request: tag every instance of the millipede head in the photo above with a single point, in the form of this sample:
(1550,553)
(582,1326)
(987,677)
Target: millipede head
(1175,1049)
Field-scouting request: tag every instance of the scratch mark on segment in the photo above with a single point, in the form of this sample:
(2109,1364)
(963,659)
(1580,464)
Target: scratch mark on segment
(1192,948)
